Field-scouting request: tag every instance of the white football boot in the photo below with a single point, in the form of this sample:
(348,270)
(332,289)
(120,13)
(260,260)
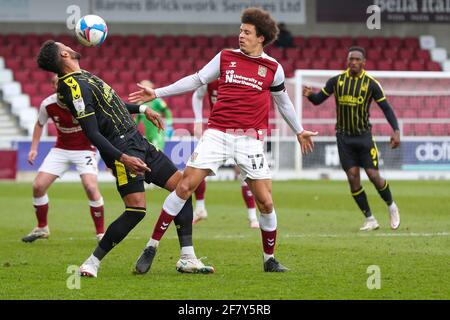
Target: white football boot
(394,214)
(90,267)
(193,265)
(370,224)
(37,233)
(200,214)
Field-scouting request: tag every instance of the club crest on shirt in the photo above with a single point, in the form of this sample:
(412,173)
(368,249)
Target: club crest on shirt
(262,71)
(194,156)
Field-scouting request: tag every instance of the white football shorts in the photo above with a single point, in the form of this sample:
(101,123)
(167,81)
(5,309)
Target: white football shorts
(216,147)
(58,161)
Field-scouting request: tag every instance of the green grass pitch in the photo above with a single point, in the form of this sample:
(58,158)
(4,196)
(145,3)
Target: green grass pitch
(318,239)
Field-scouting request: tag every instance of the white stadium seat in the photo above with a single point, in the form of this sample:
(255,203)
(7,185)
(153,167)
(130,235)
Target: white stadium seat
(427,42)
(438,54)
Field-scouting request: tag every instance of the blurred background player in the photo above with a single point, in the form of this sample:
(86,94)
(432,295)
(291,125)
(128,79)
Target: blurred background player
(158,139)
(354,90)
(200,211)
(72,147)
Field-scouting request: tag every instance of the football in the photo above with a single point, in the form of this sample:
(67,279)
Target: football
(91,30)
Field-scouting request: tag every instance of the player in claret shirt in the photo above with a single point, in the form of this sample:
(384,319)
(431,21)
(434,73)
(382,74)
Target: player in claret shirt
(248,80)
(72,148)
(200,212)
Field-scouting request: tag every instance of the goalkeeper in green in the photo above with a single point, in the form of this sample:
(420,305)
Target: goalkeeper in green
(158,139)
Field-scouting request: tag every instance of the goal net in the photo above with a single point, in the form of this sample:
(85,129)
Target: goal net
(421,102)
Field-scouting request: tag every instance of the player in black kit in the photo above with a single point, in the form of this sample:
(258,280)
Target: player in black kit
(353,91)
(106,121)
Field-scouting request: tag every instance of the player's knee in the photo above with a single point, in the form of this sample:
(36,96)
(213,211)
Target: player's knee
(265,205)
(185,189)
(92,191)
(39,188)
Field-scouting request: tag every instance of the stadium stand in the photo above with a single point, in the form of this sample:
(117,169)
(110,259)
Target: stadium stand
(119,66)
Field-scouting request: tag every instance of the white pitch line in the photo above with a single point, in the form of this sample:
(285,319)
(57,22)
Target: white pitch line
(289,235)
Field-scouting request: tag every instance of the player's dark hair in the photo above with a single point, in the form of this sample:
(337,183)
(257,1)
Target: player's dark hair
(360,49)
(264,24)
(48,57)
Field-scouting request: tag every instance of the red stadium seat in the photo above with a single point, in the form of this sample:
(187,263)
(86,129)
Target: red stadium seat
(135,64)
(319,64)
(373,54)
(118,64)
(302,64)
(421,129)
(133,40)
(232,42)
(184,41)
(394,42)
(406,53)
(411,42)
(160,52)
(186,65)
(362,41)
(151,65)
(341,53)
(438,129)
(177,53)
(299,41)
(384,65)
(400,65)
(416,65)
(292,53)
(209,53)
(433,66)
(169,65)
(309,53)
(325,53)
(370,65)
(201,41)
(335,65)
(40,76)
(109,76)
(408,129)
(126,76)
(218,42)
(194,53)
(167,41)
(378,42)
(426,113)
(314,42)
(149,40)
(423,54)
(30,88)
(345,42)
(330,42)
(409,113)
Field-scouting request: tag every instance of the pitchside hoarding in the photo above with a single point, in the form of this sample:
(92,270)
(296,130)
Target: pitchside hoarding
(393,11)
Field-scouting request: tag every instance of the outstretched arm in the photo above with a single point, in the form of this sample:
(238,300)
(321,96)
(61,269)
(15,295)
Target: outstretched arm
(207,74)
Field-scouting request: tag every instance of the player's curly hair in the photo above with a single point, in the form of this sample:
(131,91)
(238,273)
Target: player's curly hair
(264,24)
(48,57)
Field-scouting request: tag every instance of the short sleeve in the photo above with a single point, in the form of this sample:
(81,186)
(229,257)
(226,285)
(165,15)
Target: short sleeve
(377,91)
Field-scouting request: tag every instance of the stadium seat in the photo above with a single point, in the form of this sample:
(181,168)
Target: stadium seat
(184,41)
(126,76)
(400,65)
(411,42)
(421,129)
(378,42)
(394,42)
(218,41)
(309,53)
(423,54)
(299,41)
(169,65)
(201,41)
(167,41)
(406,53)
(362,41)
(433,66)
(345,42)
(330,42)
(416,65)
(314,42)
(384,65)
(118,64)
(177,53)
(325,53)
(292,53)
